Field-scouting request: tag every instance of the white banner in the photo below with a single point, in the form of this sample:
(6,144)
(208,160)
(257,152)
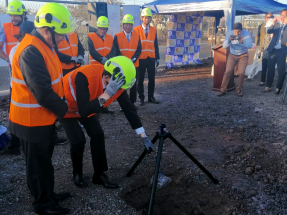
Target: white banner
(4,18)
(134,10)
(114,17)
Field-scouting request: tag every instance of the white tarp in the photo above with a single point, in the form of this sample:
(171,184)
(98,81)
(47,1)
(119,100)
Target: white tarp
(187,7)
(114,17)
(134,10)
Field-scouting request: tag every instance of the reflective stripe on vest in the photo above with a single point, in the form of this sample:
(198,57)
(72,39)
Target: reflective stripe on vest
(148,49)
(102,47)
(69,48)
(10,30)
(128,48)
(22,100)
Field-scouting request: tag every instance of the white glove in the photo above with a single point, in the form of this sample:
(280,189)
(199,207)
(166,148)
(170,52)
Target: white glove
(75,59)
(81,60)
(104,60)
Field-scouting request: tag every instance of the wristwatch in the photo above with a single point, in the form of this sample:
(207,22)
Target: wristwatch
(102,101)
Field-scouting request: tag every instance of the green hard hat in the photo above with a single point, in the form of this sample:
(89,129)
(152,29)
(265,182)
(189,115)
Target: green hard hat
(55,16)
(126,67)
(103,22)
(16,8)
(128,19)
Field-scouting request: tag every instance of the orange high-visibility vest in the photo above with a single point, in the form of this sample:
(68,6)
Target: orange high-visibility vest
(24,108)
(70,49)
(102,47)
(148,49)
(127,48)
(95,88)
(10,30)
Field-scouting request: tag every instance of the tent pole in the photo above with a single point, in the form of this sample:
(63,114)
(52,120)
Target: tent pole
(213,30)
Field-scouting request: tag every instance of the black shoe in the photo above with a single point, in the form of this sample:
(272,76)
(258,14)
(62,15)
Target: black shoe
(141,102)
(60,141)
(55,210)
(107,111)
(60,196)
(104,180)
(277,91)
(152,100)
(79,181)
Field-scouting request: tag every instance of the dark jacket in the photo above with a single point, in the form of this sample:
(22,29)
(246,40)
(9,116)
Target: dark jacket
(38,80)
(136,54)
(87,107)
(96,54)
(67,58)
(275,30)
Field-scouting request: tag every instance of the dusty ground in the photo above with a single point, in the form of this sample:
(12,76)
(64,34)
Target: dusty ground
(241,141)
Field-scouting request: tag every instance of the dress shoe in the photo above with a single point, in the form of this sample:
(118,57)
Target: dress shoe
(221,93)
(104,180)
(277,91)
(239,93)
(79,181)
(152,100)
(267,89)
(141,102)
(60,196)
(55,210)
(261,84)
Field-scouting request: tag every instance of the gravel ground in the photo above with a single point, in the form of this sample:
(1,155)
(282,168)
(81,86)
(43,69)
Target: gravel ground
(241,141)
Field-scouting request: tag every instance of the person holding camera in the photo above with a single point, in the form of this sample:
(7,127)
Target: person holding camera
(277,50)
(239,41)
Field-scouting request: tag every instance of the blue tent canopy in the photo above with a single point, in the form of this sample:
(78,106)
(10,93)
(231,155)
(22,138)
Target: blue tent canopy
(217,8)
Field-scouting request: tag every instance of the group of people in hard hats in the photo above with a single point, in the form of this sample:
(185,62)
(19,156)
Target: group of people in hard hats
(50,82)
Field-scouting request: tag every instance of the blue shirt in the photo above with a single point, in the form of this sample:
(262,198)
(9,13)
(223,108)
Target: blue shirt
(2,34)
(240,48)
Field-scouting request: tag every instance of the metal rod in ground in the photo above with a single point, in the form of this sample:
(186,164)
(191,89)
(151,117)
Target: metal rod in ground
(155,176)
(214,180)
(142,156)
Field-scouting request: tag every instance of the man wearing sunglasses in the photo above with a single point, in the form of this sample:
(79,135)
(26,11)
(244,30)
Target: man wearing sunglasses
(277,50)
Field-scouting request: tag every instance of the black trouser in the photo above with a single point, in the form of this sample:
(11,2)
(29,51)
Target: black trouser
(149,65)
(40,173)
(264,69)
(15,142)
(276,57)
(133,90)
(77,139)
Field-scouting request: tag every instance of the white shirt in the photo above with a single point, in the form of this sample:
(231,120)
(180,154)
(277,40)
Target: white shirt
(130,34)
(278,45)
(144,28)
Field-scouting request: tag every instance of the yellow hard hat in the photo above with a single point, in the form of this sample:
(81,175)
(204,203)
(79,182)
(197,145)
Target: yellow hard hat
(103,22)
(126,67)
(128,19)
(146,12)
(55,16)
(16,8)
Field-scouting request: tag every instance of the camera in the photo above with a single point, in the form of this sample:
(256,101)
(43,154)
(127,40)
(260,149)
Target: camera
(236,38)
